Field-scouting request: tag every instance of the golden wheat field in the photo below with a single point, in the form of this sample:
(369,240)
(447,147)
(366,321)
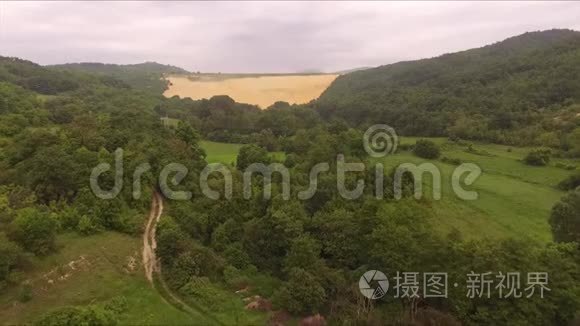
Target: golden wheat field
(254,89)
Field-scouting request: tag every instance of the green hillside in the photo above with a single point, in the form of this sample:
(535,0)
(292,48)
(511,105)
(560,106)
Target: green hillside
(145,76)
(510,92)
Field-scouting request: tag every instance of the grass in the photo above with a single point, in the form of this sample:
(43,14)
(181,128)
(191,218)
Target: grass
(220,152)
(44,98)
(514,199)
(170,122)
(227,153)
(103,274)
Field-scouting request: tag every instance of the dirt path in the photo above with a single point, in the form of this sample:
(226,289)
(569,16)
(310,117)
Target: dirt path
(153,267)
(149,242)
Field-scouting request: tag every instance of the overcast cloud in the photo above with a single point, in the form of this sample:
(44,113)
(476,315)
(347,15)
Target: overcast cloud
(265,36)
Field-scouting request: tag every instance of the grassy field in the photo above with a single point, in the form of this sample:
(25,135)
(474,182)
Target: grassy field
(227,153)
(220,152)
(262,90)
(91,270)
(514,199)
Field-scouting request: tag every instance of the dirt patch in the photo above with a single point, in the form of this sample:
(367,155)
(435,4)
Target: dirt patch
(131,265)
(60,273)
(257,303)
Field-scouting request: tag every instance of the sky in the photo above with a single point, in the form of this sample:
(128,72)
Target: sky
(278,36)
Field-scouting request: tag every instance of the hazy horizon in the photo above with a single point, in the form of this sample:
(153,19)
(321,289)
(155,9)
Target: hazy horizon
(275,37)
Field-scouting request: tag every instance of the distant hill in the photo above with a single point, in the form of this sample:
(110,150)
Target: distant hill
(35,77)
(145,76)
(494,90)
(107,68)
(348,71)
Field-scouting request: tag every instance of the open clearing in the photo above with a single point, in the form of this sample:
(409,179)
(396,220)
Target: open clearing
(262,90)
(227,153)
(515,199)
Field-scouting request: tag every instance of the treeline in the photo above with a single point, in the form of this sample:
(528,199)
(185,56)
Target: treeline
(146,76)
(221,119)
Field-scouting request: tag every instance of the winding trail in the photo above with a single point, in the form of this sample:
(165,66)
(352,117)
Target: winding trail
(150,262)
(152,267)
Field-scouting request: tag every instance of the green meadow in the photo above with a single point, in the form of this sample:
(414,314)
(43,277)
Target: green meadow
(91,270)
(227,153)
(514,199)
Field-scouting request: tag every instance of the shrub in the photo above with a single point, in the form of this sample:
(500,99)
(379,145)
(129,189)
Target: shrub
(291,160)
(25,293)
(426,149)
(564,166)
(538,157)
(90,315)
(472,150)
(11,256)
(565,218)
(235,278)
(117,305)
(405,147)
(204,291)
(453,161)
(86,226)
(35,231)
(250,154)
(570,183)
(302,294)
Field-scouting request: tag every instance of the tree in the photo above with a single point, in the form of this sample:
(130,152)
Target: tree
(10,255)
(570,183)
(538,157)
(35,231)
(250,154)
(267,239)
(304,253)
(336,229)
(302,294)
(574,141)
(565,218)
(169,240)
(52,173)
(426,149)
(191,137)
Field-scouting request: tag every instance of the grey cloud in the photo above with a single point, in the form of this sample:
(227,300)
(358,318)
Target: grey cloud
(265,36)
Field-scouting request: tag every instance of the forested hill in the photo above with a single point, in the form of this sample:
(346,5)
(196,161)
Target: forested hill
(487,93)
(106,68)
(39,79)
(146,76)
